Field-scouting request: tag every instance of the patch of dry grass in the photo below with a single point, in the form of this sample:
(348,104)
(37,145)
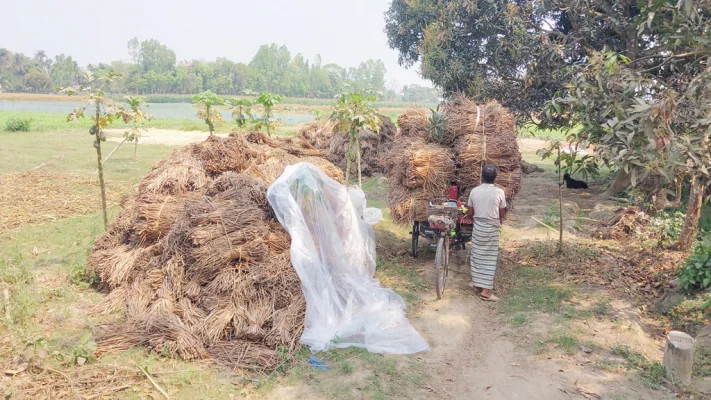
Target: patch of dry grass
(37,197)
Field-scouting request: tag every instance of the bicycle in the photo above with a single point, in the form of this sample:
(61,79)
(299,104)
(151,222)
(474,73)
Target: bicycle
(448,228)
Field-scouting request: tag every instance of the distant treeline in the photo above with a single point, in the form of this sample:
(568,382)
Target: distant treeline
(153,70)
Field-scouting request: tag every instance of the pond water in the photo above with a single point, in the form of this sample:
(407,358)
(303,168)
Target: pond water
(159,110)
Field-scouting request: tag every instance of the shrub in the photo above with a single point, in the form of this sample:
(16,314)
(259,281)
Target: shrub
(18,125)
(669,225)
(697,272)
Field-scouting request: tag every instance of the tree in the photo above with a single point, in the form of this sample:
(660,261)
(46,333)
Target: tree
(299,76)
(649,117)
(156,57)
(354,111)
(270,64)
(418,93)
(206,104)
(103,113)
(516,52)
(65,71)
(241,111)
(38,82)
(44,62)
(268,100)
(134,50)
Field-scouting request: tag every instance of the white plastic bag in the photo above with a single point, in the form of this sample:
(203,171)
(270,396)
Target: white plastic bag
(333,251)
(371,216)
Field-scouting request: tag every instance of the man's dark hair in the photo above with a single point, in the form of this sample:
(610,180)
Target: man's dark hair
(488,173)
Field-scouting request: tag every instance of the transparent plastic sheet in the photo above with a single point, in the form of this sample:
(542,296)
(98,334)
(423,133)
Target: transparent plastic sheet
(333,251)
(371,216)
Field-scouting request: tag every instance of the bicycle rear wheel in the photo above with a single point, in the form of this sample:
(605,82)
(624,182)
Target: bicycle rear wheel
(415,239)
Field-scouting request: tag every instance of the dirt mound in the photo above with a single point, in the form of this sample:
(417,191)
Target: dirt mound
(324,134)
(197,261)
(421,167)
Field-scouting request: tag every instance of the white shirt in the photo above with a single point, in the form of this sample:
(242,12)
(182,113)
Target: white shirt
(487,199)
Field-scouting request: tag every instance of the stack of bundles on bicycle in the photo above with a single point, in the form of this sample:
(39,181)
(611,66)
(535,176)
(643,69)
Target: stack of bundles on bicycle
(325,134)
(197,266)
(414,123)
(421,167)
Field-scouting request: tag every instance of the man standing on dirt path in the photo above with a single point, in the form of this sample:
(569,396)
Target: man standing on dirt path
(487,205)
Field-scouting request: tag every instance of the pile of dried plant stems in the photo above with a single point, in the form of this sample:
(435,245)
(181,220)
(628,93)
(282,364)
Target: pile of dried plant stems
(419,171)
(626,222)
(197,261)
(324,134)
(414,122)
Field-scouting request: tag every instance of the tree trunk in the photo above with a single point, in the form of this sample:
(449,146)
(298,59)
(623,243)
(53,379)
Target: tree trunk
(101,164)
(357,147)
(560,204)
(349,154)
(207,119)
(693,214)
(622,180)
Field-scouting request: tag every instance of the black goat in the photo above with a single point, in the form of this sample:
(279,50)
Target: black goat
(571,183)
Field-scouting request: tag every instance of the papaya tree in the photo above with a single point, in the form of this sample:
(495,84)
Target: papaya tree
(206,104)
(354,111)
(241,111)
(268,100)
(103,112)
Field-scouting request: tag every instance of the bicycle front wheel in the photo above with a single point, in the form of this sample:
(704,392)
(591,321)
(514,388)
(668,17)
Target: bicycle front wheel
(441,266)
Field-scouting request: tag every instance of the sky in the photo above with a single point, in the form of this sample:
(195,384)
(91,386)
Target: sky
(343,32)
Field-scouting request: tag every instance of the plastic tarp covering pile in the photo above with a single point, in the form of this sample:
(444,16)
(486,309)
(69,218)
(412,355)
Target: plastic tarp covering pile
(333,251)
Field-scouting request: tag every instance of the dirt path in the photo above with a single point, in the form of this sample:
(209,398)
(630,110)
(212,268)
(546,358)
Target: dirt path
(475,354)
(166,137)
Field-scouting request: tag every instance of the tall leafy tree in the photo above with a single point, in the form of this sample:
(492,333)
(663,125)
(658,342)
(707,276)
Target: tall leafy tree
(43,62)
(270,64)
(514,51)
(650,117)
(38,82)
(65,71)
(156,57)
